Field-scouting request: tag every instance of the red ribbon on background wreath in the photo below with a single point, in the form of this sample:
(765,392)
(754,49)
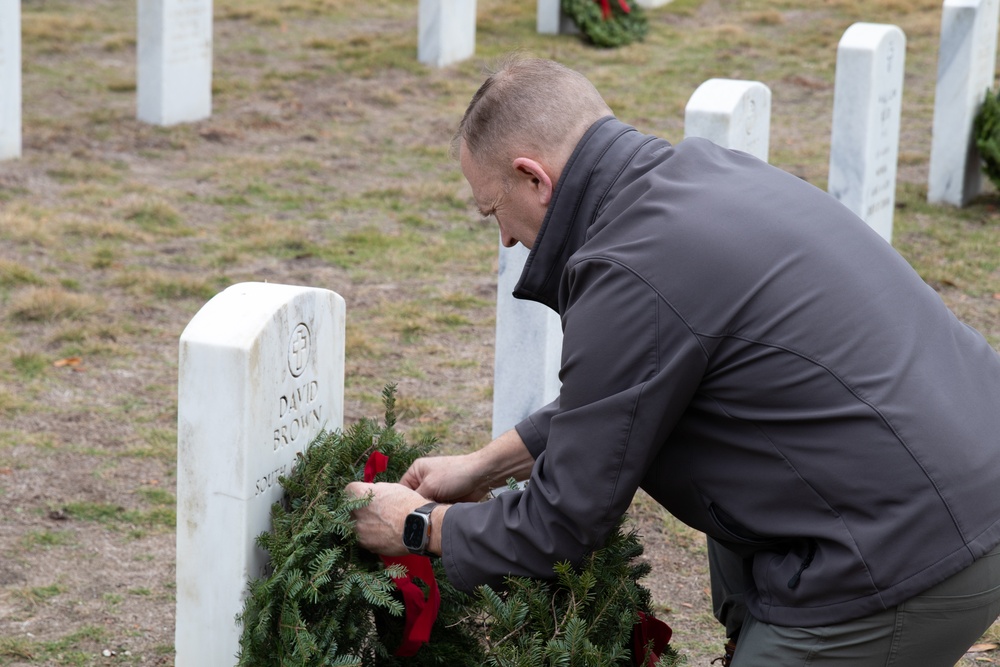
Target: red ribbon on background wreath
(421,611)
(606,8)
(652,633)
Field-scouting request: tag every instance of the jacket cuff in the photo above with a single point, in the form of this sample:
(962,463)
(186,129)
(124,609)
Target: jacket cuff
(531,437)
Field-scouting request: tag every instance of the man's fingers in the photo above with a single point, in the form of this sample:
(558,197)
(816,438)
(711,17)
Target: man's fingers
(358,489)
(410,479)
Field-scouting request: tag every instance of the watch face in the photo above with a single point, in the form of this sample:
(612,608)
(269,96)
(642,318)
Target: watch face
(414,531)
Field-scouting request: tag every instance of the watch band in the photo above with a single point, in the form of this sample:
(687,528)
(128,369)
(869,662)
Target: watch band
(426,509)
(425,517)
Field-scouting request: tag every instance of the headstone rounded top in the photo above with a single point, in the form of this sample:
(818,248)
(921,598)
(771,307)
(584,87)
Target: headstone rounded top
(238,313)
(863,35)
(724,95)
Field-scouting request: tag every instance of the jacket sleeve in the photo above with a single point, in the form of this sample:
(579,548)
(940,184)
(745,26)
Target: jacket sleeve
(534,430)
(630,365)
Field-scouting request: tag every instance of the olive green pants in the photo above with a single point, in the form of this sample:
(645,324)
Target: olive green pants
(933,629)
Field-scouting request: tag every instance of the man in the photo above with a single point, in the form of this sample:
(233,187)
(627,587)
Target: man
(750,353)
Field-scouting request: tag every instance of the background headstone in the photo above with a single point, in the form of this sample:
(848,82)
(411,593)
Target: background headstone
(446,30)
(174,65)
(864,142)
(528,348)
(10,79)
(731,113)
(261,373)
(966,66)
(552,21)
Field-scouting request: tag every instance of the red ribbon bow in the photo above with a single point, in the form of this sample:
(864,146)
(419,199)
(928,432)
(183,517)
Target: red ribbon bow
(606,8)
(652,634)
(421,612)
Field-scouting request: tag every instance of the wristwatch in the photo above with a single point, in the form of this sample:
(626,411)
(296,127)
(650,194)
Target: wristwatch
(417,530)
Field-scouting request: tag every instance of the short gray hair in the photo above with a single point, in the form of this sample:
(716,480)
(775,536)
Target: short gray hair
(529,105)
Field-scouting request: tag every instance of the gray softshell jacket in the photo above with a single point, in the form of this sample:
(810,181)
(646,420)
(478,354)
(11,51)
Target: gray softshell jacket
(749,352)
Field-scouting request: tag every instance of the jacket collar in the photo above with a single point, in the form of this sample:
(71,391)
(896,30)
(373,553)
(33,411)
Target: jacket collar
(583,185)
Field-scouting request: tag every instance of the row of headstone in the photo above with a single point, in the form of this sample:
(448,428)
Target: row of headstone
(734,114)
(270,357)
(174,72)
(174,58)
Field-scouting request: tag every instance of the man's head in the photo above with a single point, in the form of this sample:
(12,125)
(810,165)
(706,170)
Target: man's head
(517,135)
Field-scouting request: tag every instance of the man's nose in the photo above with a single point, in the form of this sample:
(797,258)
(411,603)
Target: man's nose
(506,239)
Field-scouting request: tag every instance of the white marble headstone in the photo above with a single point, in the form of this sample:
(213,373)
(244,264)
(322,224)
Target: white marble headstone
(174,66)
(528,348)
(261,372)
(551,20)
(867,102)
(966,65)
(446,30)
(10,79)
(731,113)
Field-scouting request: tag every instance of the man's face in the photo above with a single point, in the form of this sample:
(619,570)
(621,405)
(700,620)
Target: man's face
(516,208)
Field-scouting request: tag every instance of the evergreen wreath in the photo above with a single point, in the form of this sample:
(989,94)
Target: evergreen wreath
(606,23)
(585,617)
(986,130)
(329,602)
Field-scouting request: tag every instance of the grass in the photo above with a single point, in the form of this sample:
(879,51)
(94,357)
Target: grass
(46,539)
(76,648)
(326,162)
(114,516)
(52,304)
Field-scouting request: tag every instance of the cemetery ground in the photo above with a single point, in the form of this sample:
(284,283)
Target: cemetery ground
(326,163)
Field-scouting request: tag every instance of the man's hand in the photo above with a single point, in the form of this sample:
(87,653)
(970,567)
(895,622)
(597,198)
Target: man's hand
(468,478)
(379,525)
(446,479)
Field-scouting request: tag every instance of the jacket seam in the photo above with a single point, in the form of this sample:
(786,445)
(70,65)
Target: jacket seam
(635,404)
(850,388)
(857,395)
(847,527)
(642,279)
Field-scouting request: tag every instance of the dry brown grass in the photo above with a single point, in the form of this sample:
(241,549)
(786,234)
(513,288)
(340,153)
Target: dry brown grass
(52,304)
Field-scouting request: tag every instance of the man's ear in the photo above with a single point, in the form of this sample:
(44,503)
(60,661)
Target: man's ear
(539,179)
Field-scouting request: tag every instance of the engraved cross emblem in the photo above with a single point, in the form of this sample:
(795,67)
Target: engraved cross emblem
(298,350)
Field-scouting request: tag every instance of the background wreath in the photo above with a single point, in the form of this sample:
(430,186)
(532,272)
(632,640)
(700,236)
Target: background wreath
(987,134)
(607,23)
